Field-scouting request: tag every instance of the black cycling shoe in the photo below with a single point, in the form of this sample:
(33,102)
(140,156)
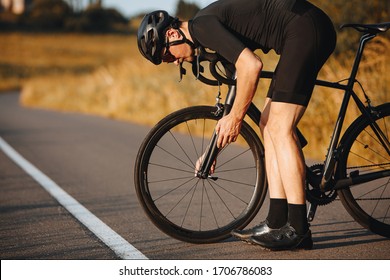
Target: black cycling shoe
(285,238)
(258,230)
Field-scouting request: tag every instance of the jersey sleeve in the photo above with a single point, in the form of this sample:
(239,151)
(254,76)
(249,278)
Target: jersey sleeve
(212,34)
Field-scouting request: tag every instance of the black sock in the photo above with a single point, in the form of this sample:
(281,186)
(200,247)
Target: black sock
(278,213)
(297,217)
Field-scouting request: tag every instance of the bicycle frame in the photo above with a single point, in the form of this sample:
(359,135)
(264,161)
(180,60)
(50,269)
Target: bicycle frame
(208,207)
(327,181)
(334,148)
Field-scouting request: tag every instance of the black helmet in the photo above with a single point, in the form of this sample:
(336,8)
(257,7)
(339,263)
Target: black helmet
(151,34)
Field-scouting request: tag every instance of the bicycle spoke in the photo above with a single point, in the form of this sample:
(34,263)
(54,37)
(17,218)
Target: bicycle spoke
(377,203)
(192,140)
(386,215)
(189,204)
(201,207)
(211,206)
(167,180)
(367,146)
(174,189)
(180,200)
(371,191)
(233,158)
(170,167)
(229,192)
(191,163)
(203,135)
(223,201)
(236,182)
(169,153)
(235,169)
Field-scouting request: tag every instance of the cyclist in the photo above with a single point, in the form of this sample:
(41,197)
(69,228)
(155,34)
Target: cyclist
(304,37)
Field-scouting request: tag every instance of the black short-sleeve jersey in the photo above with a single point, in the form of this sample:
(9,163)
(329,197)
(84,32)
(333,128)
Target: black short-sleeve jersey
(229,26)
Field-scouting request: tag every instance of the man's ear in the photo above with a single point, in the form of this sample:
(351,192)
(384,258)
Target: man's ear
(173,34)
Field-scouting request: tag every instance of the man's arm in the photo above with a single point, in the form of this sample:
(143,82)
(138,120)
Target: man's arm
(248,67)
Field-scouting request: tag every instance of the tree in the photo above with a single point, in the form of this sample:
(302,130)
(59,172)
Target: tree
(96,19)
(186,11)
(357,11)
(48,14)
(353,11)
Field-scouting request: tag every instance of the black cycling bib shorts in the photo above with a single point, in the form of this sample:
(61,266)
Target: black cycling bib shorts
(300,32)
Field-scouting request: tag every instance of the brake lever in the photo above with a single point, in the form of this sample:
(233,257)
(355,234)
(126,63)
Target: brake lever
(182,71)
(199,68)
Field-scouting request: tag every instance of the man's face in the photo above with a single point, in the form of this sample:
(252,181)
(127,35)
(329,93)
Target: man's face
(177,53)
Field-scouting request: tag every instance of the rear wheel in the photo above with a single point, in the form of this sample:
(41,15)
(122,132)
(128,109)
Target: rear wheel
(364,152)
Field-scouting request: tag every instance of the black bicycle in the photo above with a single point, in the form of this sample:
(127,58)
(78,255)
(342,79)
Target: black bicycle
(200,207)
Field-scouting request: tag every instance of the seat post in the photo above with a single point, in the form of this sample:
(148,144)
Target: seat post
(363,40)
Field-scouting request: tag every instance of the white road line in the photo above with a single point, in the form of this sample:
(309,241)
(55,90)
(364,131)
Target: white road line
(118,244)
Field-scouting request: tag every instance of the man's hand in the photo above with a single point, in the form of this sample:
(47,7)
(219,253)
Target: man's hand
(248,66)
(227,129)
(199,162)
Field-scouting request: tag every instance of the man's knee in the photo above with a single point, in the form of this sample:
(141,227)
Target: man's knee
(278,132)
(262,126)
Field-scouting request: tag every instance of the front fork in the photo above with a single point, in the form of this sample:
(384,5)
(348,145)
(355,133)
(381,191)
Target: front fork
(212,151)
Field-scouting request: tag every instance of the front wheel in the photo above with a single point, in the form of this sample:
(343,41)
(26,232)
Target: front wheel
(189,208)
(363,153)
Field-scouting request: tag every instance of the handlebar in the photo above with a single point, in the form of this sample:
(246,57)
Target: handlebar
(213,59)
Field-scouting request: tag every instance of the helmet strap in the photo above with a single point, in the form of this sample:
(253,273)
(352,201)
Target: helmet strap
(192,45)
(182,41)
(182,71)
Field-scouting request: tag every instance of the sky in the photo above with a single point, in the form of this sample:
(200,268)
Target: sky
(133,7)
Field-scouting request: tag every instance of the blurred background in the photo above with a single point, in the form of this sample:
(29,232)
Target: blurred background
(82,56)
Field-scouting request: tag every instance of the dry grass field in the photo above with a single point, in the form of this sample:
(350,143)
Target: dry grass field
(106,75)
(30,55)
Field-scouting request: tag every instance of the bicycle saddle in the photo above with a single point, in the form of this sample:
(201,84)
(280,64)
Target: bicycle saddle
(369,28)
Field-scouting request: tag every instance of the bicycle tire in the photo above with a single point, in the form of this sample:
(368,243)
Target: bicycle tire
(368,203)
(188,208)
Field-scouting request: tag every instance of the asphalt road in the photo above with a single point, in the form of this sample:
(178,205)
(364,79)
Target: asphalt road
(92,159)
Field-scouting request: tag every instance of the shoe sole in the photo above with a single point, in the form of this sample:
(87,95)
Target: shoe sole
(298,247)
(239,236)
